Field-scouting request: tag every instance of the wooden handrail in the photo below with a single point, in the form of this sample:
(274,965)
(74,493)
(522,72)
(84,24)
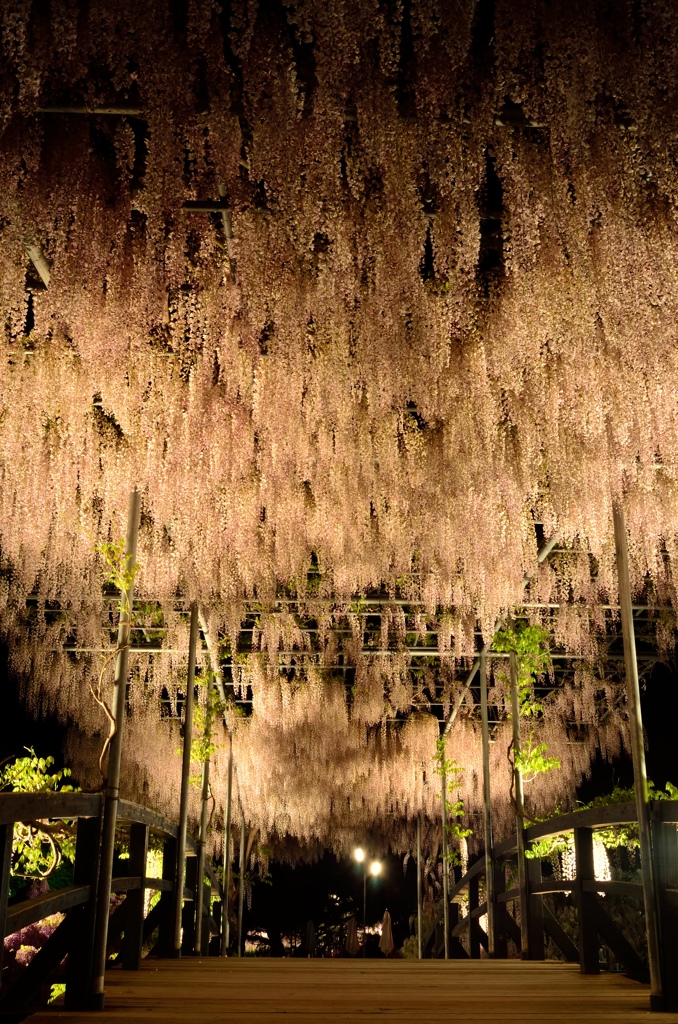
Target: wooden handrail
(36,806)
(128,812)
(605,816)
(592,817)
(21,915)
(54,805)
(510,894)
(89,924)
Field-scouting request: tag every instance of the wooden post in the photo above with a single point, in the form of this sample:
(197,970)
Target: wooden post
(487,807)
(112,786)
(225,920)
(170,873)
(665,850)
(639,769)
(457,951)
(419,897)
(85,872)
(589,943)
(473,926)
(134,920)
(520,814)
(202,834)
(188,920)
(500,913)
(446,873)
(241,882)
(205,921)
(536,912)
(6,837)
(178,895)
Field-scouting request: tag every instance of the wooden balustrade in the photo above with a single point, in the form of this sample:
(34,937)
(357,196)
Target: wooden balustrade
(595,926)
(130,929)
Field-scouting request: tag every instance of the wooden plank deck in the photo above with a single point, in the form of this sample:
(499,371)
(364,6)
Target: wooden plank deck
(268,991)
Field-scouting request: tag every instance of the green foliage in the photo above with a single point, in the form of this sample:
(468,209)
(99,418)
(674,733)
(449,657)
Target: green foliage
(38,847)
(542,849)
(203,746)
(626,835)
(530,644)
(446,769)
(57,989)
(532,760)
(121,572)
(32,775)
(612,836)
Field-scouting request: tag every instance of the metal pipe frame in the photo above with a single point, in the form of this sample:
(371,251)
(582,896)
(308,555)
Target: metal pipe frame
(225,920)
(112,784)
(487,811)
(202,834)
(185,782)
(520,812)
(419,892)
(639,767)
(241,881)
(543,553)
(446,866)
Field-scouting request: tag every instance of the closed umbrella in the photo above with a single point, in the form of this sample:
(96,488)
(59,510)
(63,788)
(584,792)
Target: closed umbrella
(386,943)
(352,945)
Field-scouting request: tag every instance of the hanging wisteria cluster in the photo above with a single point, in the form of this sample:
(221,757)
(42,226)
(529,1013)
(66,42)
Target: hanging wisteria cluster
(355,294)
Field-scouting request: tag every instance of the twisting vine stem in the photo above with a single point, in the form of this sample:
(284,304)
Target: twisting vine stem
(121,574)
(530,644)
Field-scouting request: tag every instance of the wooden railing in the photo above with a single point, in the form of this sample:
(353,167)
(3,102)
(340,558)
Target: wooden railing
(130,931)
(595,926)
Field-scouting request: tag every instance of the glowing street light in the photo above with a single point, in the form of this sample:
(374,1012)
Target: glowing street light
(375,869)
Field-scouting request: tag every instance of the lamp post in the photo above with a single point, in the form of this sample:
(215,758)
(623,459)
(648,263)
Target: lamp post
(375,869)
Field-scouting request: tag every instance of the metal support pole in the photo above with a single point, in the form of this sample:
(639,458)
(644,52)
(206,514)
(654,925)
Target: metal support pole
(225,920)
(520,813)
(543,553)
(185,782)
(446,874)
(419,915)
(489,841)
(639,769)
(202,834)
(112,785)
(364,907)
(241,881)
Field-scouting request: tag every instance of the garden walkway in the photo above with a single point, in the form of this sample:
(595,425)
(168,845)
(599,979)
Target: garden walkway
(259,991)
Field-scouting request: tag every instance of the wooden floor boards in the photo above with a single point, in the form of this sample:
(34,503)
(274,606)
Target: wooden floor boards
(263,991)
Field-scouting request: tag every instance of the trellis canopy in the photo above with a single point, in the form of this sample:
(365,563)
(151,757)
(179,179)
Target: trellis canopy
(369,301)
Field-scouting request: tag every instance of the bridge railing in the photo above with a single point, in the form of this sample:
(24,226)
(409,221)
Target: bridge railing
(595,926)
(132,927)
